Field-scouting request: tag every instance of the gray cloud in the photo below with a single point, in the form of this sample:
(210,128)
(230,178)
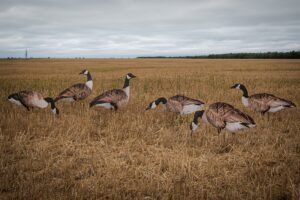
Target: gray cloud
(127,28)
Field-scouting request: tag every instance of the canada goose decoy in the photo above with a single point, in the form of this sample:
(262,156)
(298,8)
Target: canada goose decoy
(222,115)
(31,99)
(178,104)
(115,98)
(263,102)
(78,91)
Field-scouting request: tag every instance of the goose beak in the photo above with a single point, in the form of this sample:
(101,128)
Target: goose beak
(147,108)
(133,76)
(232,87)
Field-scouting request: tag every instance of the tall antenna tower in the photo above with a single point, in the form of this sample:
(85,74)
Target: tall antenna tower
(26,54)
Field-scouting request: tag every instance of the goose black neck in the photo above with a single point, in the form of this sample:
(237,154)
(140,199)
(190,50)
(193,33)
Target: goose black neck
(51,101)
(197,115)
(245,92)
(14,96)
(126,83)
(89,77)
(162,100)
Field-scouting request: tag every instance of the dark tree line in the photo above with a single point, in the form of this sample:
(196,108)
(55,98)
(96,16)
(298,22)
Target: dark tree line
(265,55)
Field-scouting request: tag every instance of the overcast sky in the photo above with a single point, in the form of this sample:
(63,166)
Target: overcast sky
(129,28)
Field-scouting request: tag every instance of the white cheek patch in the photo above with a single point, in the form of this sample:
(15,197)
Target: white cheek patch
(54,111)
(191,108)
(153,105)
(86,72)
(104,105)
(238,86)
(128,77)
(194,126)
(15,102)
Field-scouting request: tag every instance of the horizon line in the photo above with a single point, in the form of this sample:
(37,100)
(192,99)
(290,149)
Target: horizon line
(148,56)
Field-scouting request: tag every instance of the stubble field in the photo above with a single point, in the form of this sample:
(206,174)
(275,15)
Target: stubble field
(138,154)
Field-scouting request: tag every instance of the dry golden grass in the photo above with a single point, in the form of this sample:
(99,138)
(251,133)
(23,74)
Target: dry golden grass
(133,154)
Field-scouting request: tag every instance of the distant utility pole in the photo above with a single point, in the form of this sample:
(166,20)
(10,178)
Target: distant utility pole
(26,54)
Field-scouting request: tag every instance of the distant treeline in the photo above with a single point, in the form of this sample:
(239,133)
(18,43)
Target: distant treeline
(265,55)
(20,58)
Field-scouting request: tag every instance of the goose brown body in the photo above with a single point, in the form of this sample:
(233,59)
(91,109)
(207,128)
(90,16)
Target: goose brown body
(78,91)
(32,99)
(219,114)
(178,104)
(263,102)
(115,98)
(223,115)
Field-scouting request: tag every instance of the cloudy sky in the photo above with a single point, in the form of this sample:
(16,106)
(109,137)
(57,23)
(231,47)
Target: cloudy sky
(129,28)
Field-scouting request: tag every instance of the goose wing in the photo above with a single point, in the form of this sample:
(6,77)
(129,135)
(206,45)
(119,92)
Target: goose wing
(216,112)
(25,94)
(174,105)
(111,96)
(184,100)
(78,91)
(30,98)
(25,98)
(263,102)
(185,105)
(277,101)
(235,115)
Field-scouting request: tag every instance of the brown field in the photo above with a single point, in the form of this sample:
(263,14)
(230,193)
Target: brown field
(134,154)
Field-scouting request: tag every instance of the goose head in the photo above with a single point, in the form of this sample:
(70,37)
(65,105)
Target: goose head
(241,87)
(84,72)
(151,105)
(130,76)
(238,86)
(155,103)
(54,109)
(194,125)
(13,98)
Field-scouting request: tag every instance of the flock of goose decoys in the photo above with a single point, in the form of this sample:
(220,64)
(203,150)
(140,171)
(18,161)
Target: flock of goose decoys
(220,115)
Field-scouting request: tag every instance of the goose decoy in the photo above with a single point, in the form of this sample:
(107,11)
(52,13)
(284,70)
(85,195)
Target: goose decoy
(78,91)
(31,99)
(263,102)
(222,115)
(178,104)
(115,98)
